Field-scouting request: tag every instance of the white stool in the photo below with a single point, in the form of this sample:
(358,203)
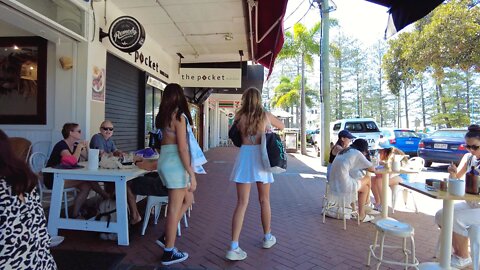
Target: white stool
(390,226)
(158,202)
(474,235)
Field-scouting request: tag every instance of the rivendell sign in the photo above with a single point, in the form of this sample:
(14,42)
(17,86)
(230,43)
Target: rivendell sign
(126,34)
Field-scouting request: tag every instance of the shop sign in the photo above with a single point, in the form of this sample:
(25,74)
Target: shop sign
(126,34)
(155,83)
(211,77)
(225,104)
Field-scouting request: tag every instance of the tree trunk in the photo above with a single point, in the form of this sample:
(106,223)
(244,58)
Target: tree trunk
(380,93)
(467,80)
(443,104)
(358,96)
(422,93)
(399,111)
(406,104)
(303,136)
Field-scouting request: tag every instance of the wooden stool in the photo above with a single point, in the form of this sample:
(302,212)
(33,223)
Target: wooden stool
(392,227)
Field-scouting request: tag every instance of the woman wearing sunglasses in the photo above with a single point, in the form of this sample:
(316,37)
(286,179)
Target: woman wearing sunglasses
(67,152)
(465,214)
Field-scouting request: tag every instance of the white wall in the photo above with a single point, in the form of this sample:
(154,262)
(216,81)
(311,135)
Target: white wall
(69,91)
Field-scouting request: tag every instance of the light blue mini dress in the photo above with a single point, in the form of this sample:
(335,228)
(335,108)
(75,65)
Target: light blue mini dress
(170,168)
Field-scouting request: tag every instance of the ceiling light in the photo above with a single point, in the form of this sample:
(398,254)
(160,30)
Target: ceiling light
(228,36)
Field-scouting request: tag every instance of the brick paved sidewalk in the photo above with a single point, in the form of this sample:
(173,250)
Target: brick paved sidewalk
(303,241)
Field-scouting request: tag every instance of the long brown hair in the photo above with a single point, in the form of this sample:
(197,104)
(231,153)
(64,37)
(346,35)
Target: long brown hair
(16,171)
(253,111)
(173,100)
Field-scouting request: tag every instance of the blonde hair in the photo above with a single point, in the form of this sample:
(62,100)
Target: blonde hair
(252,110)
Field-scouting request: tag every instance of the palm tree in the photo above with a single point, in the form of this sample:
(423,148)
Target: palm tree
(302,43)
(287,93)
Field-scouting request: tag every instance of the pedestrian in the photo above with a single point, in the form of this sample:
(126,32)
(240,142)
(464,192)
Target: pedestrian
(24,239)
(174,166)
(248,168)
(349,177)
(344,140)
(465,214)
(387,155)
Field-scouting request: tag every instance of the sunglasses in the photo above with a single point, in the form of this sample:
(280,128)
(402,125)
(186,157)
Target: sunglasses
(107,128)
(472,147)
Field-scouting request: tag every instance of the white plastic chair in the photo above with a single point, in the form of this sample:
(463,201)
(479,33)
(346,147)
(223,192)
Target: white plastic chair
(340,209)
(416,163)
(37,162)
(157,202)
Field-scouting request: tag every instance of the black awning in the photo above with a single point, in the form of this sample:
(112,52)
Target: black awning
(405,12)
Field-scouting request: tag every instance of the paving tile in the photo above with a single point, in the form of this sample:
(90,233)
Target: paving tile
(304,242)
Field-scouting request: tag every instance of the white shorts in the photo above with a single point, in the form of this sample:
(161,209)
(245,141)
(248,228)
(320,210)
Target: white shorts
(463,217)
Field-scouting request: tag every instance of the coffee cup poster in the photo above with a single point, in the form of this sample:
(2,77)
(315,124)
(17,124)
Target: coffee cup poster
(98,84)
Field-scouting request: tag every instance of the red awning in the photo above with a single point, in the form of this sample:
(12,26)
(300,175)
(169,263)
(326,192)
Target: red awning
(266,28)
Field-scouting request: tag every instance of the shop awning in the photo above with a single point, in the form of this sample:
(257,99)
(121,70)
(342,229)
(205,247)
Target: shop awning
(405,12)
(266,28)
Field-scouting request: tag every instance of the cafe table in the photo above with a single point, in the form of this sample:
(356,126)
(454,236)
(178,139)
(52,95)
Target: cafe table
(447,220)
(118,176)
(385,184)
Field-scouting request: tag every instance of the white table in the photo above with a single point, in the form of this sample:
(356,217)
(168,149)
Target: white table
(118,176)
(385,184)
(447,222)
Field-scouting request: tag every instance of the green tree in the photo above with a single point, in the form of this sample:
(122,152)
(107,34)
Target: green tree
(302,43)
(287,93)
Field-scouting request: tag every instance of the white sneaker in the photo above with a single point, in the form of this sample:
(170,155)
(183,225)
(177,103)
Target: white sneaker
(372,211)
(459,262)
(270,242)
(236,255)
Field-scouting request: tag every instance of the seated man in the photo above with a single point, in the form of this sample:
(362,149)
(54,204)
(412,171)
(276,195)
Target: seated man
(149,184)
(103,140)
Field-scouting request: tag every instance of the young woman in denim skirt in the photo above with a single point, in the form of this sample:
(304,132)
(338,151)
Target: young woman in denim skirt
(174,167)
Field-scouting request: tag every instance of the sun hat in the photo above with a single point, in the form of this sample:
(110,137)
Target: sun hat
(345,134)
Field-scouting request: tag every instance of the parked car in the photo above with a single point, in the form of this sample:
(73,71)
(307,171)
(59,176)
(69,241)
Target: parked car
(404,139)
(364,128)
(422,135)
(444,146)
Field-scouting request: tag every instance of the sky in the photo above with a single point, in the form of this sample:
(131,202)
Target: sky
(358,18)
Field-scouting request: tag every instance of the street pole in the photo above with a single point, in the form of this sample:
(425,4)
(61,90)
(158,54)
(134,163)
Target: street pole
(324,80)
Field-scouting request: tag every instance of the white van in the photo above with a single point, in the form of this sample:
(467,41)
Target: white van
(363,128)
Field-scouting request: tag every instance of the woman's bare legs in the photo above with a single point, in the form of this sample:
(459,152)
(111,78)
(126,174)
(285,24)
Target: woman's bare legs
(264,199)
(377,189)
(132,205)
(176,199)
(363,193)
(84,188)
(243,193)
(460,245)
(96,187)
(187,202)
